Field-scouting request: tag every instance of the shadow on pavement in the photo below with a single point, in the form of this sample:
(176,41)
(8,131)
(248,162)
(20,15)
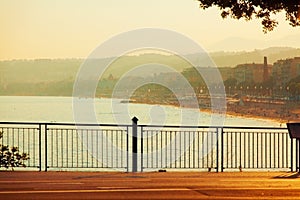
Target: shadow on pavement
(288,175)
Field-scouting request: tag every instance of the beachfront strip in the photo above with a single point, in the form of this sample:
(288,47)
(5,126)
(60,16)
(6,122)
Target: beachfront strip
(105,147)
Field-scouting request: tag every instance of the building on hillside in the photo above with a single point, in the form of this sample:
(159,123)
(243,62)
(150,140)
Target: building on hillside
(253,72)
(285,70)
(226,72)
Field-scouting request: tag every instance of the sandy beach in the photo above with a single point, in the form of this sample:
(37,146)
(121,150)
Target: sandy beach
(280,113)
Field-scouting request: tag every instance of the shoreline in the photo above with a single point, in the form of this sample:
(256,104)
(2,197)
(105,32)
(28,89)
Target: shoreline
(244,111)
(233,114)
(280,114)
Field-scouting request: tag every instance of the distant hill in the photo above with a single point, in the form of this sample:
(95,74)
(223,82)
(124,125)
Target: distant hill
(57,76)
(231,59)
(39,70)
(242,43)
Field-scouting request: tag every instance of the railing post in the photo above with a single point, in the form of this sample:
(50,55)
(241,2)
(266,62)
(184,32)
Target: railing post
(142,149)
(40,147)
(127,148)
(134,144)
(46,146)
(217,138)
(298,155)
(222,149)
(292,155)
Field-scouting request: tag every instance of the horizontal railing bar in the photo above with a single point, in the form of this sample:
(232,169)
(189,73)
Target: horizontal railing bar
(248,132)
(63,124)
(80,167)
(80,129)
(174,126)
(224,127)
(149,126)
(27,128)
(76,124)
(22,123)
(253,128)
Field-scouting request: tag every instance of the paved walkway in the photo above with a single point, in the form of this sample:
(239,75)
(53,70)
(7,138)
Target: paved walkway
(154,185)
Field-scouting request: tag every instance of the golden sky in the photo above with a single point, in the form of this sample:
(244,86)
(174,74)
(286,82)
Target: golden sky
(73,28)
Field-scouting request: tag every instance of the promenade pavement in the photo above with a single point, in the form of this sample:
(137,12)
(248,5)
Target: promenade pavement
(149,185)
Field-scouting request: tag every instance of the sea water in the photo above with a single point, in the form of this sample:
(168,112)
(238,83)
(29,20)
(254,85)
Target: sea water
(61,110)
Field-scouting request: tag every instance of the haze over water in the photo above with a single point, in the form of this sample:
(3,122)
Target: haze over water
(59,109)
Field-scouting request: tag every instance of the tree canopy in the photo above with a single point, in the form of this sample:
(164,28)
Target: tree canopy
(262,9)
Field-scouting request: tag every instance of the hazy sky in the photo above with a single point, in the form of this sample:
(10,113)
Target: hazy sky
(73,28)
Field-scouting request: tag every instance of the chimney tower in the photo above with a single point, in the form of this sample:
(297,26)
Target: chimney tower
(266,71)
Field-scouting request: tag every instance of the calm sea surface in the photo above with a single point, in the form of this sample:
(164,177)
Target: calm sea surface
(60,109)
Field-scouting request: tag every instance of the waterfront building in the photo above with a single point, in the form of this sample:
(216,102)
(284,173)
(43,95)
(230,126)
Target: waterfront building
(285,70)
(253,72)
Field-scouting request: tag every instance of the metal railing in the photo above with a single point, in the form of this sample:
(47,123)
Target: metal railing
(67,146)
(25,136)
(86,146)
(256,148)
(178,147)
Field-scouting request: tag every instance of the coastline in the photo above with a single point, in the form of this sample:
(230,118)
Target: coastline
(234,114)
(280,114)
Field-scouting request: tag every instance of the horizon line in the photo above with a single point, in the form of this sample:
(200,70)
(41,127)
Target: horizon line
(83,58)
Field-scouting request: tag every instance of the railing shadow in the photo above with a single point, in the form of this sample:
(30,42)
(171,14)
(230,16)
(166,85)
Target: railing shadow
(288,175)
